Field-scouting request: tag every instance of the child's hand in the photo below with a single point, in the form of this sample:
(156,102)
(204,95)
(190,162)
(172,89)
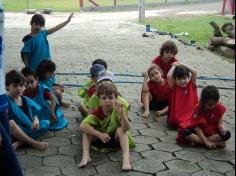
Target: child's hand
(35,124)
(210,145)
(145,75)
(175,63)
(119,107)
(104,137)
(53,118)
(222,131)
(70,17)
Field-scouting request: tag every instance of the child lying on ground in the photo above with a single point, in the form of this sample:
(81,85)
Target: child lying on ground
(107,126)
(206,127)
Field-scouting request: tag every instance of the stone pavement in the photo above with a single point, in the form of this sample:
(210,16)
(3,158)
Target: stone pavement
(119,41)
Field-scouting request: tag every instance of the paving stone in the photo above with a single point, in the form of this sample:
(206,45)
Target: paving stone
(97,158)
(141,148)
(172,173)
(216,166)
(138,126)
(74,170)
(117,156)
(152,132)
(140,119)
(51,151)
(157,155)
(191,156)
(57,142)
(134,132)
(28,161)
(183,166)
(206,173)
(49,134)
(43,171)
(148,166)
(168,147)
(58,160)
(145,140)
(68,133)
(168,139)
(232,173)
(220,155)
(21,151)
(110,167)
(158,126)
(70,150)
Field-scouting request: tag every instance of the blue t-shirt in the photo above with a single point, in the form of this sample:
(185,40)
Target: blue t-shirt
(3,103)
(36,48)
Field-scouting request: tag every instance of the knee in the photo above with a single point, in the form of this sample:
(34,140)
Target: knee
(12,123)
(120,132)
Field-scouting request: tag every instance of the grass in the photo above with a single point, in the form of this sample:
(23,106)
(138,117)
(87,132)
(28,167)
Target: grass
(61,5)
(197,26)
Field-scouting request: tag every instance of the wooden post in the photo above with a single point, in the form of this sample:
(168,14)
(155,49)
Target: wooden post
(141,11)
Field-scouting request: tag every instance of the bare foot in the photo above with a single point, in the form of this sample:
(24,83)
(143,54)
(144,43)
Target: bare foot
(16,145)
(43,146)
(65,105)
(84,162)
(220,144)
(126,167)
(146,114)
(158,113)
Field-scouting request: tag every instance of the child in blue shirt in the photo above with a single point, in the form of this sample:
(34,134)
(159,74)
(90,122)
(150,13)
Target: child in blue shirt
(36,46)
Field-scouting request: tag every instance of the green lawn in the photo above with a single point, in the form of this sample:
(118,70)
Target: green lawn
(62,5)
(197,27)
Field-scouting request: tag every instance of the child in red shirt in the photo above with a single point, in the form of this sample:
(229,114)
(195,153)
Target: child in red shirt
(166,58)
(155,92)
(182,80)
(206,127)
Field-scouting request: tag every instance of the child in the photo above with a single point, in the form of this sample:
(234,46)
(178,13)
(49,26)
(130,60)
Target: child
(24,113)
(182,81)
(166,58)
(108,126)
(108,77)
(155,92)
(45,73)
(206,126)
(44,97)
(36,46)
(88,93)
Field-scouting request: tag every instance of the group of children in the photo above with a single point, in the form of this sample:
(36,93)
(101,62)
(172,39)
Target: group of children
(169,87)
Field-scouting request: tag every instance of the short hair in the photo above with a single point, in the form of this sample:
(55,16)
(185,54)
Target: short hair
(225,26)
(181,72)
(107,88)
(101,62)
(209,93)
(168,45)
(152,67)
(14,77)
(44,67)
(28,72)
(38,19)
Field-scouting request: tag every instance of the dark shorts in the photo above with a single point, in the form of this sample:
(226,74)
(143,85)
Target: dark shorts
(158,105)
(113,143)
(187,132)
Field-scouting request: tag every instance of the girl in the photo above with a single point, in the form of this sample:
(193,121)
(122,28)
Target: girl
(166,58)
(23,112)
(155,92)
(42,95)
(107,126)
(182,81)
(206,127)
(45,73)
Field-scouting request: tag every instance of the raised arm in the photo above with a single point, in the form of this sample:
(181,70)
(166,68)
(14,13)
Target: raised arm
(145,82)
(123,118)
(194,73)
(170,78)
(59,26)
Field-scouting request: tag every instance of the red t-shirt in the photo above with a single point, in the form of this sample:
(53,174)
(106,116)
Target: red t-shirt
(160,92)
(182,104)
(91,91)
(163,65)
(32,93)
(99,113)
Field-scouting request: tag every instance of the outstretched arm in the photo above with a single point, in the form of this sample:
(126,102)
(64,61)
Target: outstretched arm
(59,26)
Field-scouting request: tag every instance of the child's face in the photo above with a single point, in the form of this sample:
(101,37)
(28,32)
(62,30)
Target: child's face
(16,90)
(210,105)
(155,75)
(107,101)
(48,75)
(168,55)
(36,27)
(31,82)
(182,82)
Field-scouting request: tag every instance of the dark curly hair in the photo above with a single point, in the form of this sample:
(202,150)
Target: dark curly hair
(46,66)
(14,77)
(181,72)
(38,19)
(169,46)
(28,72)
(101,62)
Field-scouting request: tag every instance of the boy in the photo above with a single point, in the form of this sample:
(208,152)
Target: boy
(108,125)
